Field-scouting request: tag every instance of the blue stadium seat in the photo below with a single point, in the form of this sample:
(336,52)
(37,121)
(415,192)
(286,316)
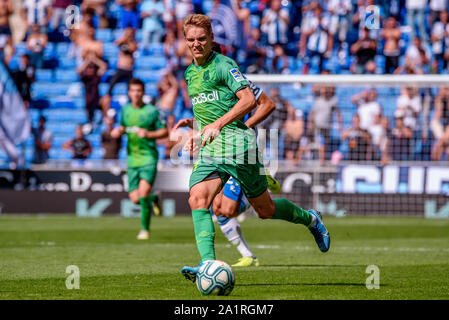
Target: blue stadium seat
(58,127)
(110,50)
(62,48)
(66,62)
(21,49)
(66,75)
(44,75)
(150,62)
(148,75)
(103,35)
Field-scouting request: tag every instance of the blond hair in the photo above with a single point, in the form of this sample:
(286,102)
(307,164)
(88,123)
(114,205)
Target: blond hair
(198,20)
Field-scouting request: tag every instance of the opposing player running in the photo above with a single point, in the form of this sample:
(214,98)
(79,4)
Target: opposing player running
(142,125)
(221,97)
(231,202)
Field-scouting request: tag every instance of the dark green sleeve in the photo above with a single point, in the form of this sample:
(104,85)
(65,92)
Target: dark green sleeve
(159,122)
(122,117)
(230,74)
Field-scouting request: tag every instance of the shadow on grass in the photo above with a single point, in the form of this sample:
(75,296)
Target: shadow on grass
(350,284)
(313,265)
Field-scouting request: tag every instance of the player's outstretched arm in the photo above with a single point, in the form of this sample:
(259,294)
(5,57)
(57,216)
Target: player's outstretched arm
(246,103)
(265,107)
(117,132)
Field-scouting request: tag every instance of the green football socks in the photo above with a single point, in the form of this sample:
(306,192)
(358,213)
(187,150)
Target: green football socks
(204,233)
(288,211)
(145,212)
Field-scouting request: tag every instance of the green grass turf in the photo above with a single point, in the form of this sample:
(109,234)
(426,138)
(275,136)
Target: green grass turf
(411,253)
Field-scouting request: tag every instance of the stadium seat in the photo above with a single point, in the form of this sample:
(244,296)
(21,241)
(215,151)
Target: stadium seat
(148,75)
(44,75)
(103,35)
(66,75)
(66,62)
(150,62)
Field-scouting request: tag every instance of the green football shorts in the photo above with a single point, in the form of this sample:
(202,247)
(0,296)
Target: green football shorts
(147,173)
(250,176)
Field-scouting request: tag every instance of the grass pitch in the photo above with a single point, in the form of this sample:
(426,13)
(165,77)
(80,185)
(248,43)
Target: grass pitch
(412,255)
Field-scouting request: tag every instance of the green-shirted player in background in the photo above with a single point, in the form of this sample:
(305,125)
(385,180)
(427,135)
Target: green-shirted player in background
(221,97)
(142,125)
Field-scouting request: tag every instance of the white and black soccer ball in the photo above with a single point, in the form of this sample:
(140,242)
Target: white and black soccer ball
(215,277)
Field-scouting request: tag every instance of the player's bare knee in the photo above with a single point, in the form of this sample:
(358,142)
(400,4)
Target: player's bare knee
(197,202)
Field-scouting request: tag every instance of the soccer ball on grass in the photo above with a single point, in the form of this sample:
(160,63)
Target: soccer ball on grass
(215,277)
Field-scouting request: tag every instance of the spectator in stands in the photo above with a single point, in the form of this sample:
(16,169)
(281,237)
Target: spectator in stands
(243,14)
(274,24)
(42,142)
(111,146)
(59,14)
(340,11)
(440,121)
(168,90)
(359,141)
(99,9)
(83,39)
(391,33)
(79,146)
(320,118)
(378,132)
(125,65)
(7,48)
(169,16)
(36,44)
(365,49)
(294,130)
(367,107)
(400,138)
(170,47)
(184,58)
(281,113)
(182,9)
(436,7)
(439,39)
(36,12)
(6,10)
(256,53)
(172,139)
(129,14)
(316,39)
(409,67)
(415,9)
(410,103)
(418,54)
(90,73)
(23,78)
(152,26)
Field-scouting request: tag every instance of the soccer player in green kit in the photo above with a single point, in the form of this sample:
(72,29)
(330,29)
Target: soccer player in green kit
(142,124)
(221,97)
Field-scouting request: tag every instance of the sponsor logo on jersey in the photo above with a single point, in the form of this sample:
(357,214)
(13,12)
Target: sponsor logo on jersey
(236,74)
(205,97)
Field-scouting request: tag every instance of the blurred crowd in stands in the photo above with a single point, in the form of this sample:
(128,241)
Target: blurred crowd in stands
(264,37)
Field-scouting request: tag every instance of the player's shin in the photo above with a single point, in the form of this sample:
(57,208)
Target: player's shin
(145,210)
(204,233)
(288,211)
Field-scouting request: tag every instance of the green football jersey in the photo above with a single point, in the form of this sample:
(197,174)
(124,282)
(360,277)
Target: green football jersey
(141,151)
(212,89)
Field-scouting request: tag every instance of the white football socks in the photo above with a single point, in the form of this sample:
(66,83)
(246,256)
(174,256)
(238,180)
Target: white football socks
(233,233)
